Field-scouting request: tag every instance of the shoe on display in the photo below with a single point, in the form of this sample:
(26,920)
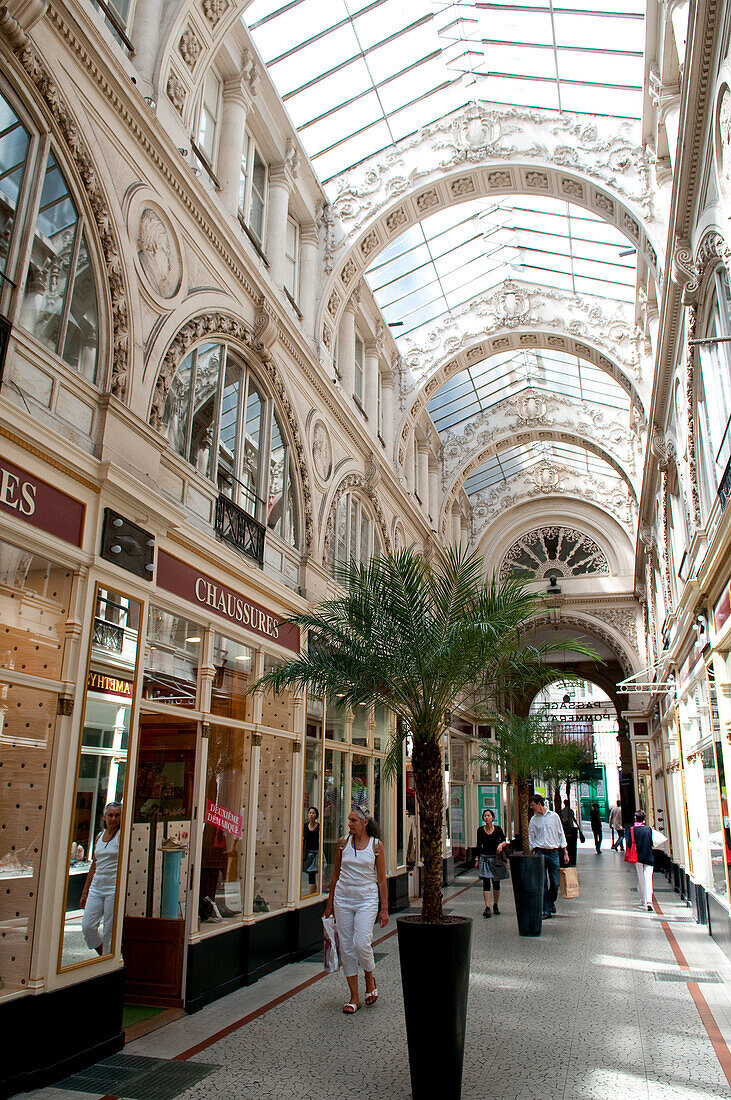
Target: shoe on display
(215,914)
(487,912)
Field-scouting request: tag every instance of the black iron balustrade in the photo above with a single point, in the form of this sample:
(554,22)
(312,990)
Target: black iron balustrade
(239,529)
(724,488)
(108,635)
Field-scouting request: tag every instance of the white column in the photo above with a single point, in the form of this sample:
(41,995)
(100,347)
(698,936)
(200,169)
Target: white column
(308,275)
(370,387)
(346,349)
(653,323)
(423,460)
(678,13)
(280,185)
(145,36)
(387,413)
(456,526)
(670,113)
(236,105)
(434,492)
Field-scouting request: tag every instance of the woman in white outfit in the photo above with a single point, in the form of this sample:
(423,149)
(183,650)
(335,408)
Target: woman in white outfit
(97,897)
(358,879)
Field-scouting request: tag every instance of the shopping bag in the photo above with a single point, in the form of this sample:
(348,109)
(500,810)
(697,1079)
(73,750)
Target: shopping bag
(569,882)
(659,840)
(331,944)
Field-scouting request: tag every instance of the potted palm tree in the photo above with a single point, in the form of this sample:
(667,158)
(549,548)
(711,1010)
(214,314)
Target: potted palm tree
(423,639)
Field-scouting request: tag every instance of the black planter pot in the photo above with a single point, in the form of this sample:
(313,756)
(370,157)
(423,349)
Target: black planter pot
(435,974)
(528,874)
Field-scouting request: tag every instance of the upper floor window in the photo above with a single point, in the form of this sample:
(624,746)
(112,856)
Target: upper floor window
(208,123)
(44,248)
(359,368)
(219,418)
(558,551)
(292,258)
(714,391)
(354,536)
(253,188)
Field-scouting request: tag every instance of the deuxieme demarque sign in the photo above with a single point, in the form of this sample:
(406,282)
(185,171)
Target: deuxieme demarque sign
(210,595)
(36,502)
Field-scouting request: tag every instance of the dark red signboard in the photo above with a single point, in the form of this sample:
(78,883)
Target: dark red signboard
(722,610)
(36,502)
(216,598)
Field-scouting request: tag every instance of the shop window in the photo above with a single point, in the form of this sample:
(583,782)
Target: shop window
(292,259)
(354,537)
(34,599)
(277,707)
(97,834)
(336,718)
(458,756)
(360,793)
(713,408)
(359,728)
(334,811)
(208,120)
(214,396)
(253,189)
(312,800)
(381,727)
(233,664)
(172,657)
(223,851)
(271,871)
(59,298)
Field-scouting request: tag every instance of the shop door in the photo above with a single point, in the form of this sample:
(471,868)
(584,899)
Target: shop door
(153,942)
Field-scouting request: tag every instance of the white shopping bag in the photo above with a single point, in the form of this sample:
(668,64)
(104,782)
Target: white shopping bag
(659,840)
(331,944)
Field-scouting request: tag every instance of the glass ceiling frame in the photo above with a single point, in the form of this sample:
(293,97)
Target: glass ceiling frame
(513,461)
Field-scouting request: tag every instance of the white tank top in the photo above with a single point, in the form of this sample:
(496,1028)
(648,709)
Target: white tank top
(357,869)
(106,854)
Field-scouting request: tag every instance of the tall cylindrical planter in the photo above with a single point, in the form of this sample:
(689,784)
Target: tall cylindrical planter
(435,974)
(528,874)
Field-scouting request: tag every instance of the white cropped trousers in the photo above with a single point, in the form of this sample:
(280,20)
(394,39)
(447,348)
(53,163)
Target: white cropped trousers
(98,907)
(644,882)
(355,911)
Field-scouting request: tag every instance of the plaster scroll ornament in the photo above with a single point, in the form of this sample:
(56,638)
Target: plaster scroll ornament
(476,130)
(724,135)
(322,451)
(546,477)
(158,254)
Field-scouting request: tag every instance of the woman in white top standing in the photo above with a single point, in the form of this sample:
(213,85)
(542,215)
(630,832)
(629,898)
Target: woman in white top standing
(97,897)
(358,879)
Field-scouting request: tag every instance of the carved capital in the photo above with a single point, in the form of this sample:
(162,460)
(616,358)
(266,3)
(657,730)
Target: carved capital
(684,272)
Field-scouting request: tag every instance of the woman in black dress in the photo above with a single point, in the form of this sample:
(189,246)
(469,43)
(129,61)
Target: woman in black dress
(595,819)
(311,843)
(490,841)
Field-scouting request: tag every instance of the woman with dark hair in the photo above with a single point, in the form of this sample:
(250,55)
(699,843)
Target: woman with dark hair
(359,877)
(311,852)
(490,841)
(595,820)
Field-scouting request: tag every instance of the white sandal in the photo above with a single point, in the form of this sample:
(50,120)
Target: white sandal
(350,1008)
(372,997)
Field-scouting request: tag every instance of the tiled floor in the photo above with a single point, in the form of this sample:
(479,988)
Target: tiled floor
(597,1007)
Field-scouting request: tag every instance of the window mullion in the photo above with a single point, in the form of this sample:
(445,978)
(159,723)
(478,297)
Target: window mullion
(216,434)
(264,462)
(240,436)
(26,214)
(70,281)
(191,403)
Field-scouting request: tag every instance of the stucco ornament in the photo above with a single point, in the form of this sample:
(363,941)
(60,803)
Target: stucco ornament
(322,455)
(490,504)
(158,253)
(723,158)
(563,551)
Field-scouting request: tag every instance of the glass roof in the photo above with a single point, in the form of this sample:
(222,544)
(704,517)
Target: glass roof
(476,389)
(464,251)
(513,461)
(357,75)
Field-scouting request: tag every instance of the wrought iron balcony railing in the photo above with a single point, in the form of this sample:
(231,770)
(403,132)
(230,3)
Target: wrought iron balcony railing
(724,488)
(239,529)
(108,635)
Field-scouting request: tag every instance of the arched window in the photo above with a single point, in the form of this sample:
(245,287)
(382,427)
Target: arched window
(559,551)
(219,418)
(49,287)
(354,536)
(714,392)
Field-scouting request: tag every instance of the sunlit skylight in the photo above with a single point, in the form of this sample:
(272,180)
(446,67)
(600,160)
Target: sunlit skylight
(357,75)
(513,461)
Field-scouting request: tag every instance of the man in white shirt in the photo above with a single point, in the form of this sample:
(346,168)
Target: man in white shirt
(546,838)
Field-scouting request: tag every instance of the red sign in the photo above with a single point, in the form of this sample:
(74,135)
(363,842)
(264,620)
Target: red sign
(40,504)
(223,818)
(109,685)
(722,610)
(210,595)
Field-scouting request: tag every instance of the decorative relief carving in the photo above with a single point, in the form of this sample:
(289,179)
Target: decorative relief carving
(427,201)
(462,187)
(396,219)
(723,151)
(369,244)
(176,91)
(350,270)
(334,303)
(631,226)
(158,253)
(572,188)
(231,328)
(601,202)
(499,180)
(322,455)
(683,271)
(190,47)
(536,181)
(587,626)
(214,10)
(560,550)
(51,95)
(695,497)
(327,337)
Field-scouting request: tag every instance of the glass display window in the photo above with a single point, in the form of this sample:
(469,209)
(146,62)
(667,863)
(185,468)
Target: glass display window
(223,851)
(234,665)
(458,754)
(271,870)
(334,811)
(360,789)
(97,834)
(34,600)
(381,727)
(312,800)
(277,708)
(172,658)
(359,726)
(336,717)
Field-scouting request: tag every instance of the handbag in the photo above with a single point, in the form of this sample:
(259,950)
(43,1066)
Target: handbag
(582,838)
(630,856)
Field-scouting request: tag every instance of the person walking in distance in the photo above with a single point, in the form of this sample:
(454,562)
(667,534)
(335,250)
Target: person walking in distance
(571,830)
(358,879)
(490,841)
(546,838)
(595,820)
(641,840)
(615,824)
